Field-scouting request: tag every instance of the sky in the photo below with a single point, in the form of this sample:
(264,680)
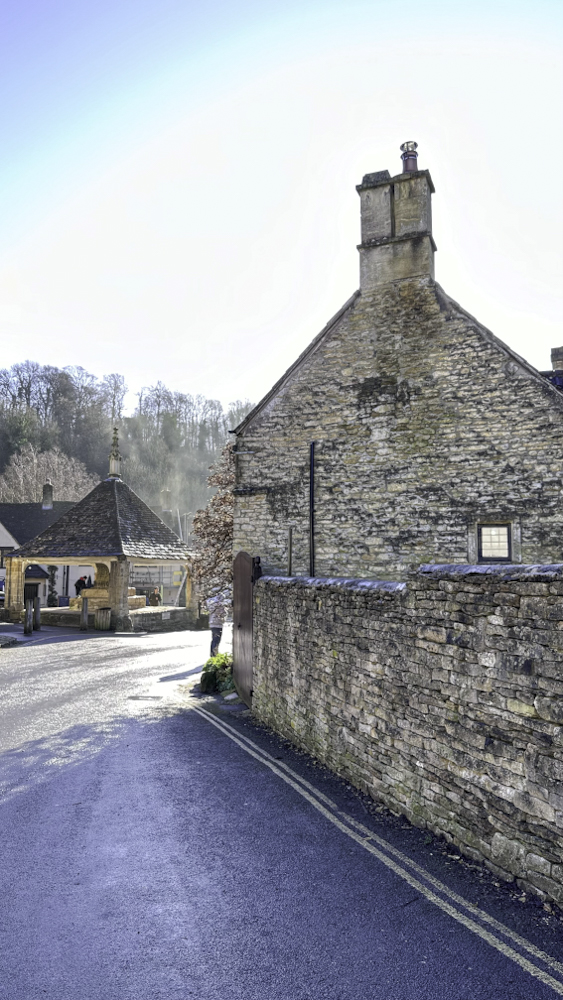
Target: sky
(177,183)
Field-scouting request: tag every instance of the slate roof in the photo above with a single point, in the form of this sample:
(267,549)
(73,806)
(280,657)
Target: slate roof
(26,520)
(34,572)
(110,521)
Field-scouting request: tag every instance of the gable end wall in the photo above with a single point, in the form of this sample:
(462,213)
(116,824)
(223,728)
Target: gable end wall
(424,425)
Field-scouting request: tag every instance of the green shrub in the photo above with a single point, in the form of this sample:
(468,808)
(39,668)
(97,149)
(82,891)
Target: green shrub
(218,674)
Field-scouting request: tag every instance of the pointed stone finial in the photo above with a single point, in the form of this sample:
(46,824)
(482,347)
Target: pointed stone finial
(114,458)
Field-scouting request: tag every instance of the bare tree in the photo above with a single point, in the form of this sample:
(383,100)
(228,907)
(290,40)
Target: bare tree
(213,528)
(113,392)
(23,478)
(170,441)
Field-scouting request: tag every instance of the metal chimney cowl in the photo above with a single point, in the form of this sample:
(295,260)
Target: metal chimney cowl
(409,156)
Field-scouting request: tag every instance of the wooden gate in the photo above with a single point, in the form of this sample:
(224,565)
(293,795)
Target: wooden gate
(246,571)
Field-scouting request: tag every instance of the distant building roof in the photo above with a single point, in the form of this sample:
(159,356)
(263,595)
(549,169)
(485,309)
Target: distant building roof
(26,520)
(34,572)
(110,521)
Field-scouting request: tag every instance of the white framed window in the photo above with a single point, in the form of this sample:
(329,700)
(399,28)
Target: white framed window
(494,542)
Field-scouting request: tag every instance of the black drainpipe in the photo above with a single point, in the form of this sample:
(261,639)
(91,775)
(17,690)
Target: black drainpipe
(290,551)
(312,509)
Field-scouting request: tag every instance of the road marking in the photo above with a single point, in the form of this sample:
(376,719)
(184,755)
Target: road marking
(350,826)
(440,886)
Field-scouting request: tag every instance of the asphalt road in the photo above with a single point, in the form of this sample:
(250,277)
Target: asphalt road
(155,843)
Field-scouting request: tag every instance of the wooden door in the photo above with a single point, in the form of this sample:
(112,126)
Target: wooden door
(246,571)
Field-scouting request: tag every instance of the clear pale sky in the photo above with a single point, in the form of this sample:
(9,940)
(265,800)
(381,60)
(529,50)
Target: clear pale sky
(177,182)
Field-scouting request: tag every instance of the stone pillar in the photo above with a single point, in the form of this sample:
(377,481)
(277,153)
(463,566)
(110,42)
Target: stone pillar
(102,576)
(15,583)
(119,594)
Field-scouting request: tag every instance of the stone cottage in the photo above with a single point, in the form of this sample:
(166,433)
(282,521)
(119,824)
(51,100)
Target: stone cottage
(402,487)
(406,433)
(19,522)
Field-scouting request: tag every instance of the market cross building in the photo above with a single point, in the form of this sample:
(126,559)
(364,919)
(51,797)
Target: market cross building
(111,529)
(406,433)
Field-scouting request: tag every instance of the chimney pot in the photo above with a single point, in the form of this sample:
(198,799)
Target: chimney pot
(557,358)
(166,514)
(409,156)
(47,503)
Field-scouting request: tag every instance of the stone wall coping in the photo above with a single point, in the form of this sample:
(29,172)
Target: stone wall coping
(335,583)
(156,609)
(442,571)
(501,571)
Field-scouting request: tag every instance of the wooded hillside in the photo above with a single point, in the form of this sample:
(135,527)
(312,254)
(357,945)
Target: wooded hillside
(170,440)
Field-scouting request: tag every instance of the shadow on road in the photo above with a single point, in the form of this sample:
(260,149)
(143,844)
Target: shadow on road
(180,677)
(153,856)
(50,634)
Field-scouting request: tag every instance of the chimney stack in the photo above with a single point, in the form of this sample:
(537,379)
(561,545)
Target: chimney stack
(47,496)
(557,359)
(396,216)
(166,514)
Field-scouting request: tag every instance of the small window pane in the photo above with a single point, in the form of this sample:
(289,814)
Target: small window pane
(494,542)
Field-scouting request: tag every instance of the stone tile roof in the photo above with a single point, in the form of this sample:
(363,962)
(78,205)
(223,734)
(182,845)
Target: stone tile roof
(111,521)
(26,520)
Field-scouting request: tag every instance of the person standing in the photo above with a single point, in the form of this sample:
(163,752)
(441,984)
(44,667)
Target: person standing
(217,605)
(155,599)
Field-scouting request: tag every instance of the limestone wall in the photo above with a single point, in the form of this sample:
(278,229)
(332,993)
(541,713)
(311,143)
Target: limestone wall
(424,426)
(160,619)
(441,697)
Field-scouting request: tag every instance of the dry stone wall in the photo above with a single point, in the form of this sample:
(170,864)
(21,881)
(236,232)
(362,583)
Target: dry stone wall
(161,619)
(442,697)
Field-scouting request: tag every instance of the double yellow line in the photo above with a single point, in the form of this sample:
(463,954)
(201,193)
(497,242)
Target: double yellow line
(460,909)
